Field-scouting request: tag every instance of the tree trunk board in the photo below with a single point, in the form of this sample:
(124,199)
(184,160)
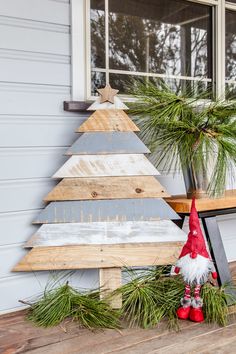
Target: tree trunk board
(99,256)
(106,165)
(96,188)
(108,120)
(106,233)
(110,279)
(108,143)
(148,209)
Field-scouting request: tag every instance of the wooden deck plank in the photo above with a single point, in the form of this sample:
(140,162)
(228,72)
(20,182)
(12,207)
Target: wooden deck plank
(107,143)
(174,343)
(106,166)
(108,340)
(147,209)
(23,337)
(183,205)
(97,188)
(126,342)
(200,341)
(222,348)
(108,120)
(106,233)
(99,256)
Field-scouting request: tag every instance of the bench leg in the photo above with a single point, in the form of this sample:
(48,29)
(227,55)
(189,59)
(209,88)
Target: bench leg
(217,251)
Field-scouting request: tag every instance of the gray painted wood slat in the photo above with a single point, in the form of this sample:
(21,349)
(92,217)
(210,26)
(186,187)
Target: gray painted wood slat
(106,210)
(106,165)
(108,143)
(106,233)
(108,120)
(107,188)
(99,256)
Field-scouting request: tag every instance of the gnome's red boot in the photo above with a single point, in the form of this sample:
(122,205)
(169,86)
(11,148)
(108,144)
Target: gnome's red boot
(184,310)
(196,313)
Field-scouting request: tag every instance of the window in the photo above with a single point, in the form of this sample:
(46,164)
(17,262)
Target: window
(168,39)
(230,53)
(190,44)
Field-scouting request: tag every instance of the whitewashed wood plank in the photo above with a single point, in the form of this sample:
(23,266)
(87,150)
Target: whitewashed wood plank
(35,10)
(18,163)
(21,37)
(106,233)
(106,165)
(106,210)
(23,194)
(34,72)
(108,143)
(41,131)
(97,105)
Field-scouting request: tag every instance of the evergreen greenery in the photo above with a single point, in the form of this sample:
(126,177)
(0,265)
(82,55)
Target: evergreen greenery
(66,302)
(152,296)
(148,297)
(182,131)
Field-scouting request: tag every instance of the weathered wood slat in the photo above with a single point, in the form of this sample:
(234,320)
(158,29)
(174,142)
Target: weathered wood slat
(108,143)
(106,233)
(102,256)
(107,188)
(108,120)
(97,105)
(106,165)
(106,210)
(110,279)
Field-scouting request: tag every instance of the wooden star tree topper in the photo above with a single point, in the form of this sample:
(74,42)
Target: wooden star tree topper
(107,94)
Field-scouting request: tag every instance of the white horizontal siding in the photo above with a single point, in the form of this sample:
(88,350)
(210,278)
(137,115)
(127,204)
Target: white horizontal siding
(16,227)
(18,163)
(24,194)
(33,99)
(34,130)
(37,10)
(31,36)
(32,71)
(28,285)
(41,130)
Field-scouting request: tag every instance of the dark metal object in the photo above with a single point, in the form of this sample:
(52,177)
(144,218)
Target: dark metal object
(77,106)
(216,246)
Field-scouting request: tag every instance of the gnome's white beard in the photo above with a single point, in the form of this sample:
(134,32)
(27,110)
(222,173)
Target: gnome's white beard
(194,270)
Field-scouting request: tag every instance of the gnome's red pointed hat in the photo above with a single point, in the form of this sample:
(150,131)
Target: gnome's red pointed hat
(195,244)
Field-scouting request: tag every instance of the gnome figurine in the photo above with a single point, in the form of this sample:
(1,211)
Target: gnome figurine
(195,265)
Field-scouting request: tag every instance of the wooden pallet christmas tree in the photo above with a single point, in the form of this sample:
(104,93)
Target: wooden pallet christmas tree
(107,212)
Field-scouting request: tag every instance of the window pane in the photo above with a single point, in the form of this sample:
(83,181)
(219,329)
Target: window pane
(230,46)
(125,83)
(98,81)
(171,37)
(97,25)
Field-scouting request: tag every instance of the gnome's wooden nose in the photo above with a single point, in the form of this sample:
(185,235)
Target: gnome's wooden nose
(193,255)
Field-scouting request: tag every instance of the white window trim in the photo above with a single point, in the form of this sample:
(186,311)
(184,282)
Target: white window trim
(81,57)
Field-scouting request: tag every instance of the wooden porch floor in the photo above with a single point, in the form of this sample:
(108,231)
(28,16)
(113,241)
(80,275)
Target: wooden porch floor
(19,336)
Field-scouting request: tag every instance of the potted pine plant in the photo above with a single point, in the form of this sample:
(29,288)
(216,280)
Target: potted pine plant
(188,132)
